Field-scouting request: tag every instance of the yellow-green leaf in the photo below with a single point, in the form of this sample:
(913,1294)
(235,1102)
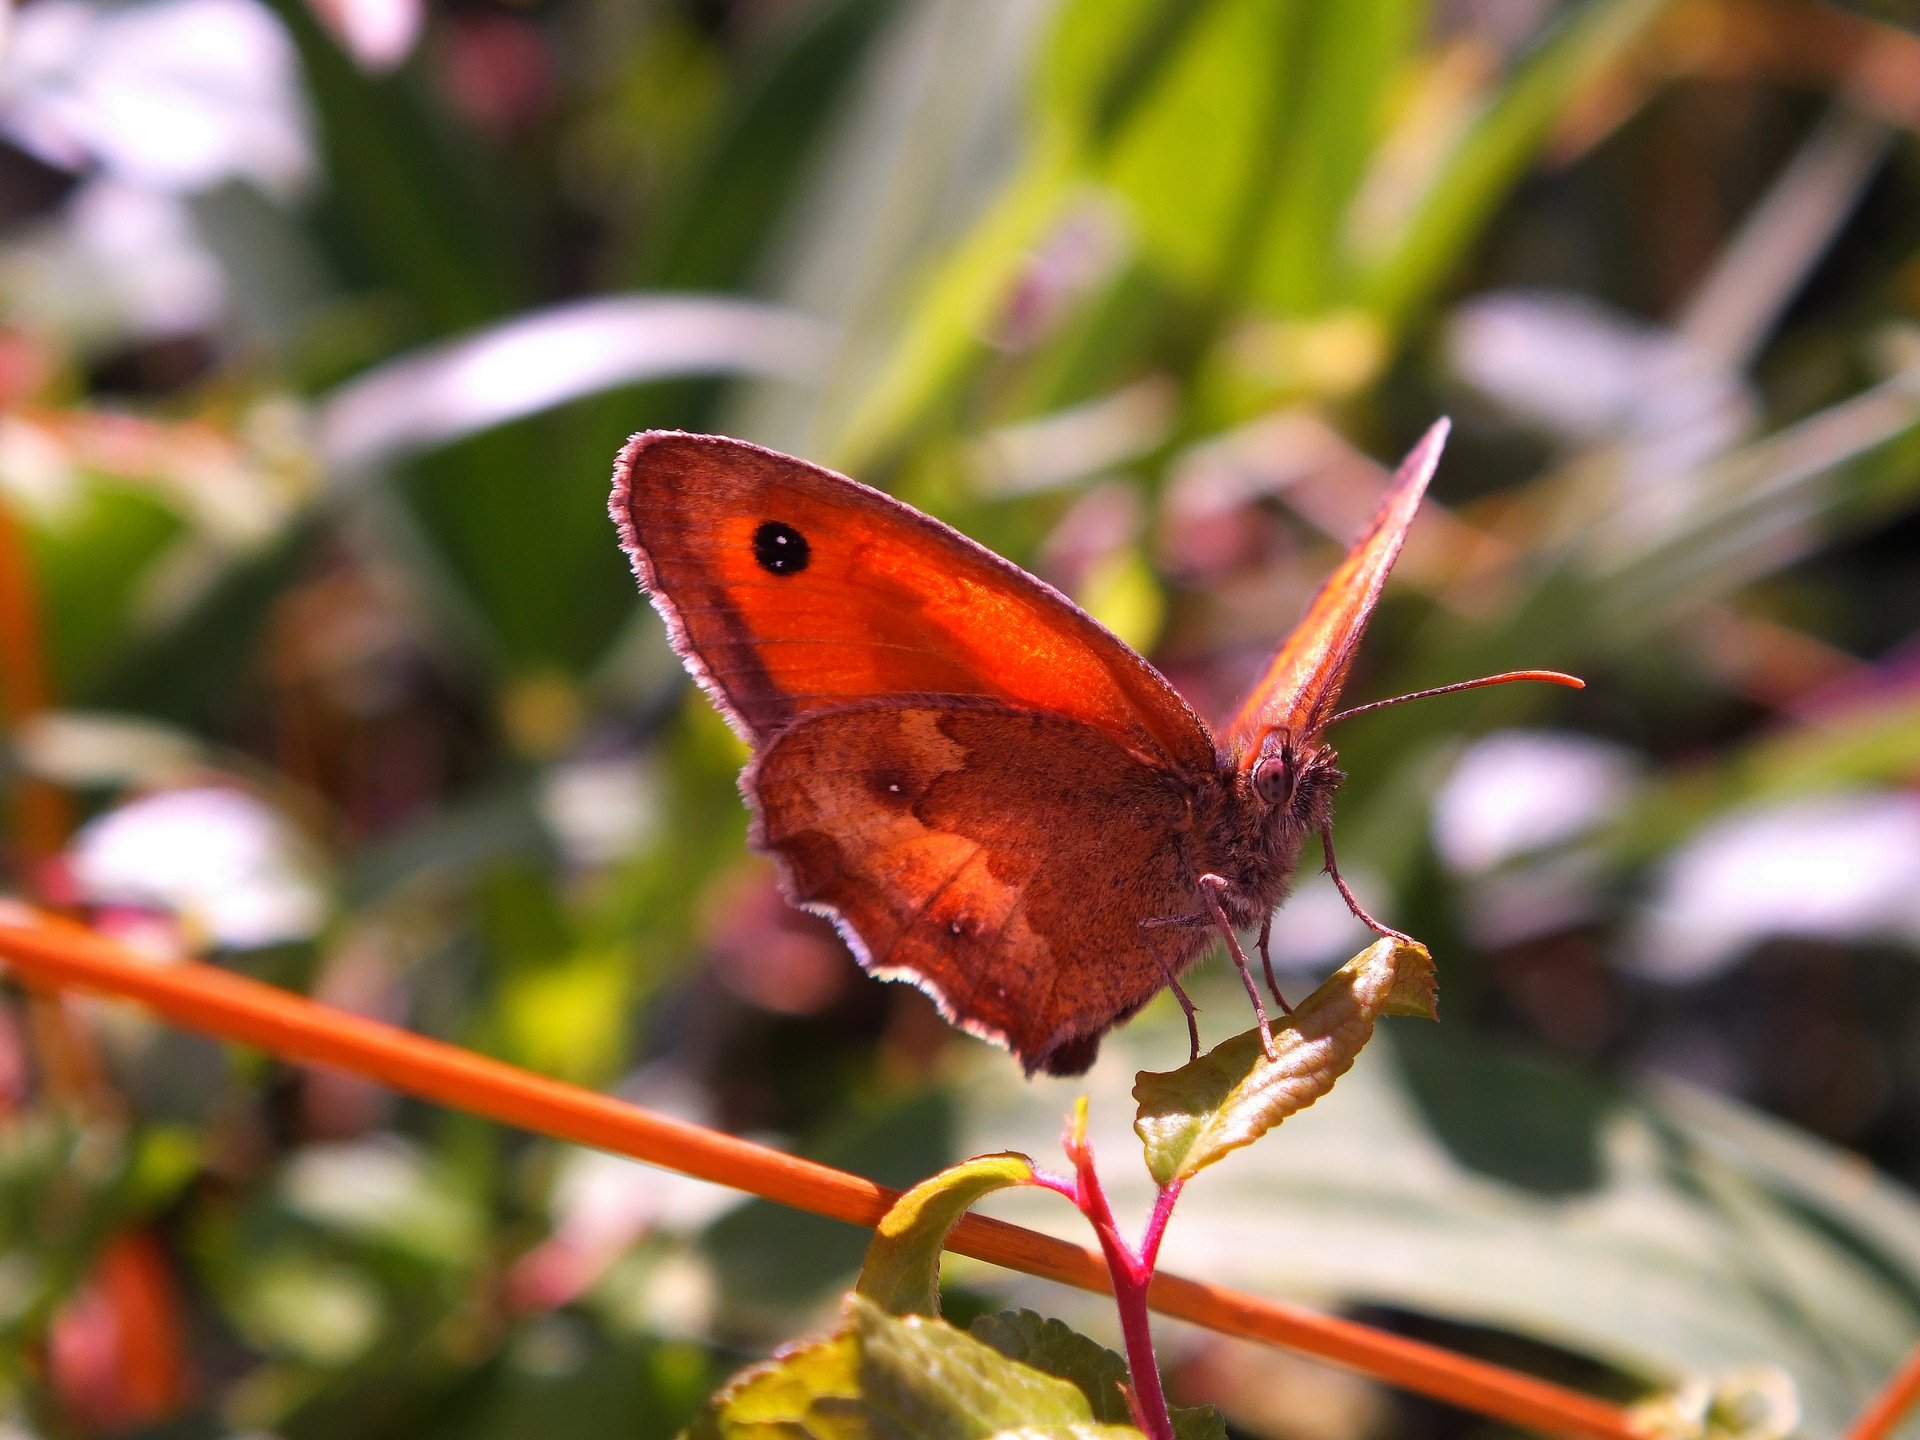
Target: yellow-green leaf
(1234,1094)
(902,1270)
(808,1392)
(921,1379)
(886,1377)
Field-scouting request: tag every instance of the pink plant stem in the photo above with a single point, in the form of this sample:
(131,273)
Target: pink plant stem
(1132,1272)
(1157,1227)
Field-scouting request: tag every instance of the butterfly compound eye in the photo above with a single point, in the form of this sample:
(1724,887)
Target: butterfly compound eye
(781,549)
(1274,778)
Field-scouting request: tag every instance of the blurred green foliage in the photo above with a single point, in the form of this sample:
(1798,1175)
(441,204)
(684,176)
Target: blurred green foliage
(311,457)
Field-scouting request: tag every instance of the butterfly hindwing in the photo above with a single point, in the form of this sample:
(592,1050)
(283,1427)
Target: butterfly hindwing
(970,849)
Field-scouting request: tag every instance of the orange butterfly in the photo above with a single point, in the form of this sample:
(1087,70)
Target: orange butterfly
(990,794)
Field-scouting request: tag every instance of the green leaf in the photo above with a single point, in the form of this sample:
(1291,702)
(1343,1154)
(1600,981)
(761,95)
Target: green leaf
(1234,1094)
(1451,1176)
(902,1270)
(807,1392)
(909,1378)
(1058,1349)
(921,1379)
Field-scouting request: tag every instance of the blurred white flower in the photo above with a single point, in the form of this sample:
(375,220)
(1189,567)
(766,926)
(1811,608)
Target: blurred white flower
(115,260)
(1602,380)
(1592,374)
(219,859)
(383,1189)
(174,95)
(379,34)
(1835,867)
(1314,930)
(600,809)
(602,1203)
(1518,791)
(1505,821)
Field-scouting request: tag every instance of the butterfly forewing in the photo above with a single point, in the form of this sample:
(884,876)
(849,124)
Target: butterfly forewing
(1301,688)
(790,590)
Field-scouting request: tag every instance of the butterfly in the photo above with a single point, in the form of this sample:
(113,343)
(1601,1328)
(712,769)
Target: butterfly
(991,795)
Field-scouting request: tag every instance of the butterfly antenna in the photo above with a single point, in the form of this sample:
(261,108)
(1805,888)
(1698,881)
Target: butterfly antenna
(1548,677)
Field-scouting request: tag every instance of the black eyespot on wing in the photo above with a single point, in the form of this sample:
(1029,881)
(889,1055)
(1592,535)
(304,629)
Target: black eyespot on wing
(781,549)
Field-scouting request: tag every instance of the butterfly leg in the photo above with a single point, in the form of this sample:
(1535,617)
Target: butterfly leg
(1266,964)
(1173,981)
(1186,1004)
(1359,910)
(1211,886)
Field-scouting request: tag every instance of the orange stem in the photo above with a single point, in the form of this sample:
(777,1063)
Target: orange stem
(42,817)
(1891,1405)
(46,951)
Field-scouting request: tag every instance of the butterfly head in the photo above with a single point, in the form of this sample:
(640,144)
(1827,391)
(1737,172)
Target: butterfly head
(1293,776)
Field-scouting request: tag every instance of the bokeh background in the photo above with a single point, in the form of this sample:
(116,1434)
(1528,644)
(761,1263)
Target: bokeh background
(319,326)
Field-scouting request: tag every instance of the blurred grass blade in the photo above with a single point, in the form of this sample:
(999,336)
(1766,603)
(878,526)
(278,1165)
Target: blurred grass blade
(1476,177)
(406,201)
(1741,300)
(714,228)
(1345,58)
(1104,55)
(924,141)
(1759,509)
(1197,158)
(1866,745)
(446,392)
(945,323)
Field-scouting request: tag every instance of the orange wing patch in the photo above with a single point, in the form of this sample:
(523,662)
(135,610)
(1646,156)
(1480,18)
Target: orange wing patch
(957,846)
(791,590)
(1302,686)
